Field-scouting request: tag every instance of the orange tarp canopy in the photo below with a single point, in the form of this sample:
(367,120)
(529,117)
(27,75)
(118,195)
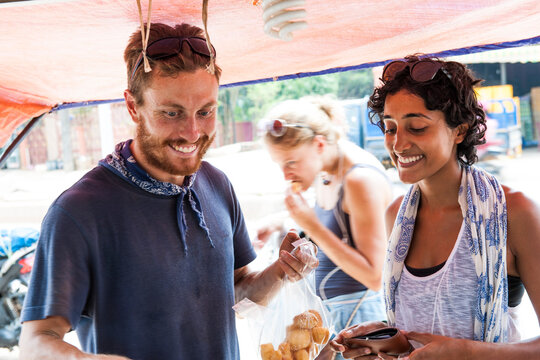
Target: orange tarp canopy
(55,52)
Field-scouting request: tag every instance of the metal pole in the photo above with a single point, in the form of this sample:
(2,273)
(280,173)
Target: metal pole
(19,139)
(67,152)
(503,73)
(105,129)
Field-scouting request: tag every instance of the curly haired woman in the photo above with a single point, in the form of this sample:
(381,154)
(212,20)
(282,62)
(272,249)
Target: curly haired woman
(462,247)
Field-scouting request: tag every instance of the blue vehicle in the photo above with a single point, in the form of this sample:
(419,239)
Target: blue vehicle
(502,113)
(362,132)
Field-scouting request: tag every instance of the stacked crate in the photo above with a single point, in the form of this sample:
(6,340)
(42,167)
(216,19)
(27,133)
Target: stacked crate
(528,132)
(535,109)
(501,105)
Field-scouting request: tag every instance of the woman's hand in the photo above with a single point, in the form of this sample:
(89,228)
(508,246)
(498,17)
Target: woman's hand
(299,210)
(265,231)
(338,343)
(437,347)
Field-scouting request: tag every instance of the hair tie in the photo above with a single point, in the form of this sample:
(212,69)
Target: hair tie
(211,66)
(144,36)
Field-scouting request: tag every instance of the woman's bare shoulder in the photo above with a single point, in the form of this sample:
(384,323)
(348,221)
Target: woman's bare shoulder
(519,204)
(393,208)
(523,219)
(359,155)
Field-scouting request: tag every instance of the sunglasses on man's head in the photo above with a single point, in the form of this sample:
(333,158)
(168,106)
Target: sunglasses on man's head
(170,46)
(420,71)
(278,127)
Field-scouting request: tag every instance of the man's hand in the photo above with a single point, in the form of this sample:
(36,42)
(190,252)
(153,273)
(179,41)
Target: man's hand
(297,262)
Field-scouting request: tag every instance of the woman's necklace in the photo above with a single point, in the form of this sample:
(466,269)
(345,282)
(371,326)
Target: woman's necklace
(327,179)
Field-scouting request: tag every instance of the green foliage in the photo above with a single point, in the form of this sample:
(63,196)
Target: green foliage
(355,84)
(81,111)
(250,103)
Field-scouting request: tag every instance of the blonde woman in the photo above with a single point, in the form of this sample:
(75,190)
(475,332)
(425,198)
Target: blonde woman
(347,222)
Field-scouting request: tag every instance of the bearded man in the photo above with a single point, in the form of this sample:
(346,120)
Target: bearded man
(145,255)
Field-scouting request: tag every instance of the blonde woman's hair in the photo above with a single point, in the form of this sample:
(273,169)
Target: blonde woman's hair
(322,115)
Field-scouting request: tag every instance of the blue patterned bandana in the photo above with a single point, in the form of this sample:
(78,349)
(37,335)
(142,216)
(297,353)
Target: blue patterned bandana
(122,163)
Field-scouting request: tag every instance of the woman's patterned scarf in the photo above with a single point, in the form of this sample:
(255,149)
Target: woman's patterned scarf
(122,163)
(483,206)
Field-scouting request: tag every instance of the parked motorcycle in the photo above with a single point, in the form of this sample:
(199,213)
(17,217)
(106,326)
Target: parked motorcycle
(17,250)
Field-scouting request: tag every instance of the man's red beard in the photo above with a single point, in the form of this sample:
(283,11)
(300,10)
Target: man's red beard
(154,150)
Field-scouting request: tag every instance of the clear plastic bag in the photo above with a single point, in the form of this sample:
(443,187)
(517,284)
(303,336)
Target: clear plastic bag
(294,325)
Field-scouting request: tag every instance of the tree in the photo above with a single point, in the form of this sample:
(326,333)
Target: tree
(355,84)
(251,102)
(227,101)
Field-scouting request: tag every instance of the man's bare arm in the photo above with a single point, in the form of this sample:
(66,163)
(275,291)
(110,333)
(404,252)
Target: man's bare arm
(44,340)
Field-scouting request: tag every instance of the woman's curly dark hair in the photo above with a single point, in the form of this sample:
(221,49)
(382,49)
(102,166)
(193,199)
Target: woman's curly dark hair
(451,91)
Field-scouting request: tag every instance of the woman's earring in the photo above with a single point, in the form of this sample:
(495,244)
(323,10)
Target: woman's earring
(325,180)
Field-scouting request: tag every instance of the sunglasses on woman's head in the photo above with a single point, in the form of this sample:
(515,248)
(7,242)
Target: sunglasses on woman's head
(170,46)
(420,71)
(278,127)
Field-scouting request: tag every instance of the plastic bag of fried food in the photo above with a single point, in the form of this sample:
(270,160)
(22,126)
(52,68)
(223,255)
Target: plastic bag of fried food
(304,339)
(294,325)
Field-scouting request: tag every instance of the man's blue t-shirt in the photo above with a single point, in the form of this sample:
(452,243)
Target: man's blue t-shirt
(111,261)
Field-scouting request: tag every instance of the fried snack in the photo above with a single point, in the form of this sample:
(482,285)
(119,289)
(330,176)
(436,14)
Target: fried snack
(313,350)
(320,334)
(318,316)
(266,351)
(298,338)
(285,349)
(306,320)
(296,187)
(301,355)
(302,341)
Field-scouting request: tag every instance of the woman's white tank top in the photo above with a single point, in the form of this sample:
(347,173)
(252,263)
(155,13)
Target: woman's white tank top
(443,303)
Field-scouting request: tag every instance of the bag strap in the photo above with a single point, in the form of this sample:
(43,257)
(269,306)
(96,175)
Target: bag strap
(340,218)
